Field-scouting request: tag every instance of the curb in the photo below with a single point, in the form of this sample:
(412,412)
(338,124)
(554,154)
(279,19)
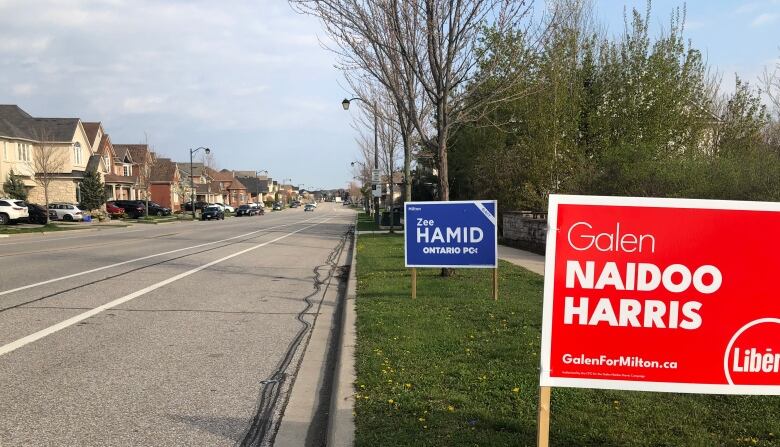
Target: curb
(341,419)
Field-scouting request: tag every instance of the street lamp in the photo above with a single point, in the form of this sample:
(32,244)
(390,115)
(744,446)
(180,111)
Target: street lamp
(192,178)
(257,184)
(345,105)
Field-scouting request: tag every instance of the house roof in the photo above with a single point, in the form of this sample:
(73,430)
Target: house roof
(16,123)
(236,184)
(163,170)
(255,185)
(122,152)
(91,130)
(94,163)
(113,178)
(138,152)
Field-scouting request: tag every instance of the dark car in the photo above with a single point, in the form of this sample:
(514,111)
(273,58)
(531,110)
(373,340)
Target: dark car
(246,210)
(133,208)
(37,214)
(155,209)
(212,212)
(199,205)
(295,204)
(277,207)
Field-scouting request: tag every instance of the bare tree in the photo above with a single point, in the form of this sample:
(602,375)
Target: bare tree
(145,170)
(48,160)
(435,44)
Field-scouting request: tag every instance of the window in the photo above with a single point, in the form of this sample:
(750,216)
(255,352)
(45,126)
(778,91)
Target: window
(76,153)
(22,152)
(126,170)
(107,163)
(5,150)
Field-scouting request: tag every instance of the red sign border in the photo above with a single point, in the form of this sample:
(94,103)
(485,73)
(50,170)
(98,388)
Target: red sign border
(546,380)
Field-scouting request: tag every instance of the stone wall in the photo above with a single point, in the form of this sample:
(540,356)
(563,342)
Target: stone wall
(525,230)
(60,190)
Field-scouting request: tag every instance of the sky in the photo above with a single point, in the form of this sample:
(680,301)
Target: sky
(251,79)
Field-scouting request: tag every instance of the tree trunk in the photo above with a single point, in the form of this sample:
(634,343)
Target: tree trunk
(407,169)
(444,183)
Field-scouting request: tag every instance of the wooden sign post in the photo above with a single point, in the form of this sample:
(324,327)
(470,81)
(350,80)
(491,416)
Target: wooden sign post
(543,421)
(414,283)
(495,284)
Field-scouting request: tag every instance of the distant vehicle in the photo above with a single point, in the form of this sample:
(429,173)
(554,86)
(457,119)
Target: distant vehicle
(261,211)
(219,205)
(37,214)
(11,210)
(295,205)
(338,199)
(246,210)
(309,207)
(212,212)
(67,211)
(198,205)
(133,208)
(277,207)
(229,209)
(113,210)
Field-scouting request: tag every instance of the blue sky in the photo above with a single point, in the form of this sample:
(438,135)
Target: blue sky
(250,79)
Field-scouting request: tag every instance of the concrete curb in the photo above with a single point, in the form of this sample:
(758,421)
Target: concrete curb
(341,419)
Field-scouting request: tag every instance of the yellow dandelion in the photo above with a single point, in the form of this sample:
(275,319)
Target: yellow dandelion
(421,419)
(515,390)
(450,408)
(390,401)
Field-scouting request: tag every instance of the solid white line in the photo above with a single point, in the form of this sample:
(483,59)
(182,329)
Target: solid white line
(86,272)
(90,313)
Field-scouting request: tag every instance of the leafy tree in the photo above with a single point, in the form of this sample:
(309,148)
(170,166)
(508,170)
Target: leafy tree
(93,193)
(14,187)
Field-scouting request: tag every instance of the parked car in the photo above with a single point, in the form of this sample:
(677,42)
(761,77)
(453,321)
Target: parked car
(133,208)
(37,214)
(11,210)
(224,207)
(295,204)
(198,205)
(277,207)
(67,211)
(309,207)
(246,210)
(113,210)
(212,212)
(155,209)
(261,211)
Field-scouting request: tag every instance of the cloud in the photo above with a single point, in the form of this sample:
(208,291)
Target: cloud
(23,89)
(764,19)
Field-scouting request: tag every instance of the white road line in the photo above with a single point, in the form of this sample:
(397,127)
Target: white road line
(90,313)
(86,272)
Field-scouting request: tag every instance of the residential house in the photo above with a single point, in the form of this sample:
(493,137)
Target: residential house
(23,138)
(205,189)
(257,186)
(137,161)
(165,184)
(232,190)
(119,182)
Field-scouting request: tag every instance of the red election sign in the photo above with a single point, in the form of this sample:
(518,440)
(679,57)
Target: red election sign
(670,295)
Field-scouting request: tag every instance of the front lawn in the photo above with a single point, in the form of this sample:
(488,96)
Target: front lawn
(456,368)
(11,229)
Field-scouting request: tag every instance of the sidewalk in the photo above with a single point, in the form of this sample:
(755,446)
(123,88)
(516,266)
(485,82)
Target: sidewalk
(525,259)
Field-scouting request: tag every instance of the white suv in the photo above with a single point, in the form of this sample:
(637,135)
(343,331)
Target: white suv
(12,210)
(67,211)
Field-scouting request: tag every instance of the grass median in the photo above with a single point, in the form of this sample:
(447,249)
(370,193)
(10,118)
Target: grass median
(456,368)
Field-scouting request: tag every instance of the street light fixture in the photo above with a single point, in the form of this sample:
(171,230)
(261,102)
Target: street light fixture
(345,105)
(192,178)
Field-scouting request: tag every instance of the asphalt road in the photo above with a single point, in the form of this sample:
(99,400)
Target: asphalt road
(161,334)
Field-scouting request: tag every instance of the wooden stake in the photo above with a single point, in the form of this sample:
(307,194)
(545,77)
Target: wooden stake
(495,284)
(543,422)
(414,283)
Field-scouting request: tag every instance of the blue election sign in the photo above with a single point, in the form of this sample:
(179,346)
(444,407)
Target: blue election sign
(451,234)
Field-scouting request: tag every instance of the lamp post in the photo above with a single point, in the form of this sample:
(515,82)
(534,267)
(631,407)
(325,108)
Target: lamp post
(345,105)
(192,178)
(257,184)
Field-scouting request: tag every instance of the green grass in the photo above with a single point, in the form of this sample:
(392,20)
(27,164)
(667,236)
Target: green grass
(456,368)
(365,222)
